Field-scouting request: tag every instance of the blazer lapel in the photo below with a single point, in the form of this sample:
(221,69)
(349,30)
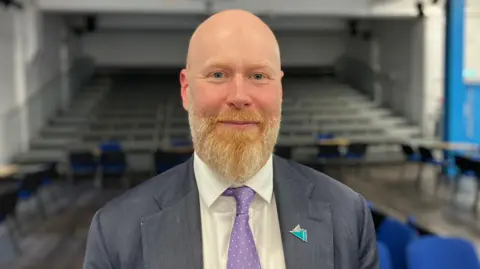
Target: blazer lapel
(171,238)
(292,194)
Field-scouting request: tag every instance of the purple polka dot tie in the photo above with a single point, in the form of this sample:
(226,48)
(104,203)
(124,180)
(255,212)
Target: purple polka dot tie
(242,253)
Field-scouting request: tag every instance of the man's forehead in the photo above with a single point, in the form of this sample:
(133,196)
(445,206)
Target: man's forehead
(238,51)
(251,41)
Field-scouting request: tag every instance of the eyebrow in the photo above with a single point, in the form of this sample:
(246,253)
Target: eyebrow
(261,65)
(225,65)
(216,64)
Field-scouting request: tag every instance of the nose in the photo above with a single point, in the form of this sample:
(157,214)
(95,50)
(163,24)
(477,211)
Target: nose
(238,97)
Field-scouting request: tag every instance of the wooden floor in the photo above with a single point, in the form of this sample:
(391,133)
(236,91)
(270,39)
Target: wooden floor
(59,243)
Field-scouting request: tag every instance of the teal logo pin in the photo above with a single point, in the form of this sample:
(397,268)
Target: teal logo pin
(299,233)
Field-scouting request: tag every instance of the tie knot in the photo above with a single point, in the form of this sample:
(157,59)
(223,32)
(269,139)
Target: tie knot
(244,197)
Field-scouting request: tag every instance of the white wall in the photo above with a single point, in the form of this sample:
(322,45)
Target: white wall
(143,6)
(400,44)
(43,74)
(7,94)
(394,8)
(320,7)
(394,55)
(168,48)
(30,73)
(434,60)
(279,7)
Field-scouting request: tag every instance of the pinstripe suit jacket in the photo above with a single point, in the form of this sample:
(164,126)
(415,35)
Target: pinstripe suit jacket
(157,225)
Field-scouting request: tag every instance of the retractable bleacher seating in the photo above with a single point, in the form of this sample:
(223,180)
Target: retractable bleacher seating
(144,113)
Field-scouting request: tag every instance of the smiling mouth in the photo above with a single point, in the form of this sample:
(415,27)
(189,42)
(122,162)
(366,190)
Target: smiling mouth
(239,122)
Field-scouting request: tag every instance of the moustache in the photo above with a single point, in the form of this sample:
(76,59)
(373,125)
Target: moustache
(239,116)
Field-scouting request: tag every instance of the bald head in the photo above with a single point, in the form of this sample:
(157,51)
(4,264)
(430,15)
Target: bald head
(237,30)
(232,91)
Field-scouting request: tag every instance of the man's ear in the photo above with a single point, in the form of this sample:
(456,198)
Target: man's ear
(184,88)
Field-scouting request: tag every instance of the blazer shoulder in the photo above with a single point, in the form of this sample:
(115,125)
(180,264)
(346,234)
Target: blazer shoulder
(140,200)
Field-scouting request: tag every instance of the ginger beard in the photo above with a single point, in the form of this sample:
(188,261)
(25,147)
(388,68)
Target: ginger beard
(236,155)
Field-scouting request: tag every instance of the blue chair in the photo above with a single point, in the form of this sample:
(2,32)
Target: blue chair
(384,256)
(113,163)
(465,167)
(410,156)
(427,158)
(377,217)
(165,160)
(110,146)
(356,153)
(28,187)
(181,143)
(476,169)
(81,164)
(441,253)
(325,136)
(283,151)
(8,204)
(327,151)
(396,236)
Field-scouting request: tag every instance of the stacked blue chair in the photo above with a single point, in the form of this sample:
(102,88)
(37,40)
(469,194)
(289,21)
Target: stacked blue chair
(110,146)
(28,189)
(283,151)
(377,217)
(396,236)
(48,182)
(465,167)
(427,158)
(384,256)
(113,161)
(179,143)
(49,174)
(356,153)
(441,253)
(410,156)
(476,169)
(8,203)
(327,151)
(165,160)
(81,164)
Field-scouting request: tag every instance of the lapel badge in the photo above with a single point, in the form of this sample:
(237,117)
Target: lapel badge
(299,233)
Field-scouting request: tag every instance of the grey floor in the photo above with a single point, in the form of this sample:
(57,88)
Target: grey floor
(440,212)
(59,243)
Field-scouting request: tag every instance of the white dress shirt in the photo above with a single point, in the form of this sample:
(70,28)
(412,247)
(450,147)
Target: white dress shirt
(218,215)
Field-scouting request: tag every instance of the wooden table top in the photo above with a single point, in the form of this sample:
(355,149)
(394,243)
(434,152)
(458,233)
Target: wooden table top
(11,170)
(8,170)
(428,143)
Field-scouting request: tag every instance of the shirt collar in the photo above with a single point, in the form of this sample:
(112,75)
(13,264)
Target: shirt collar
(211,186)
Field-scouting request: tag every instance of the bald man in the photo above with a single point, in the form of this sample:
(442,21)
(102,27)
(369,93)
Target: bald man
(234,204)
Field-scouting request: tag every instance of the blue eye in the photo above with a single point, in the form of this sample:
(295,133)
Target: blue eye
(218,75)
(258,76)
